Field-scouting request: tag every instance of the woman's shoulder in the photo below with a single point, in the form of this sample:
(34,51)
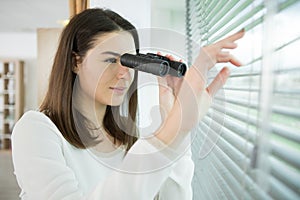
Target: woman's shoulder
(37,118)
(33,114)
(35,124)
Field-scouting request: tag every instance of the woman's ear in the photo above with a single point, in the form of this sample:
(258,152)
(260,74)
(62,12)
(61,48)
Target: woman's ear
(76,62)
(75,69)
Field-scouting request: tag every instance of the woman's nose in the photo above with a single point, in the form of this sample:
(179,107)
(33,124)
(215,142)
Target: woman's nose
(123,72)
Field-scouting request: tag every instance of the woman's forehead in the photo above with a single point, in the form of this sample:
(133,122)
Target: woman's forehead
(120,42)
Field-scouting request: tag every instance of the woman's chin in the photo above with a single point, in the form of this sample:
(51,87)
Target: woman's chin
(116,102)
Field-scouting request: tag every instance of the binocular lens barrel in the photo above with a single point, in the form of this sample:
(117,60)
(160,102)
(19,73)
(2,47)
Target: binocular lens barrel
(145,64)
(155,64)
(177,69)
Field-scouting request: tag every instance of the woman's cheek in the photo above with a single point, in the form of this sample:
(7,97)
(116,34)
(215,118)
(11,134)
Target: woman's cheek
(132,73)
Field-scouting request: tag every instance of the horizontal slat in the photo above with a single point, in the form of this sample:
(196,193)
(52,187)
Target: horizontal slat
(245,89)
(287,111)
(209,9)
(234,127)
(235,154)
(286,132)
(228,17)
(245,19)
(237,115)
(247,26)
(280,130)
(238,102)
(247,74)
(195,12)
(240,130)
(238,75)
(222,180)
(215,187)
(285,174)
(206,186)
(276,91)
(287,70)
(277,49)
(293,40)
(195,35)
(203,167)
(225,161)
(279,191)
(286,153)
(286,4)
(242,144)
(211,17)
(287,91)
(231,180)
(215,23)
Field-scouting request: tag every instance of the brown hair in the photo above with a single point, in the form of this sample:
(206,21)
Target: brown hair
(76,39)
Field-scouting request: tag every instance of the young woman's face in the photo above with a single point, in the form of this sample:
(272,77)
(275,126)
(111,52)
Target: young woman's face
(101,76)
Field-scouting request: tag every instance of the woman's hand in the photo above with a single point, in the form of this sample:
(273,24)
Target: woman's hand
(192,96)
(169,87)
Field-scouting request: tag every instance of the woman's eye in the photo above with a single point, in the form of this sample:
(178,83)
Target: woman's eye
(111,60)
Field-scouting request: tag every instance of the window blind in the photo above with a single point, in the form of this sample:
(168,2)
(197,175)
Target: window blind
(248,145)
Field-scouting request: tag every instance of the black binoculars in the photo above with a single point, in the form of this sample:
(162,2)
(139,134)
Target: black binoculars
(154,64)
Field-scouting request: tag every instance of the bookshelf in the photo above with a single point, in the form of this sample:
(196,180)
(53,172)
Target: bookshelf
(11,98)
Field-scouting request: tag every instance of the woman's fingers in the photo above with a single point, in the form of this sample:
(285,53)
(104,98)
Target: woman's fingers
(225,56)
(233,60)
(235,36)
(218,82)
(171,82)
(163,85)
(228,43)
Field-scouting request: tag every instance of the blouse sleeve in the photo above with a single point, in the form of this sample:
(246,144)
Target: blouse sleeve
(178,185)
(42,172)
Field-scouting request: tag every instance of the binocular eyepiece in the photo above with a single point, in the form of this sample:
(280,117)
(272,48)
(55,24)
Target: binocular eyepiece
(154,64)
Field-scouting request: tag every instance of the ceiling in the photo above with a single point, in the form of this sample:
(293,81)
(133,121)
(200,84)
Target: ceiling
(28,15)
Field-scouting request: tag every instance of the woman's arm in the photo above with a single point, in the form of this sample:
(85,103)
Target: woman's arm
(192,97)
(178,186)
(184,102)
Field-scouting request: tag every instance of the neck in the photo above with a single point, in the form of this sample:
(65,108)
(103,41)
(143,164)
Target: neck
(94,112)
(88,107)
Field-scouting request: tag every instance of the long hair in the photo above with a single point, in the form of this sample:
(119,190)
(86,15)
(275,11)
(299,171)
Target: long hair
(76,39)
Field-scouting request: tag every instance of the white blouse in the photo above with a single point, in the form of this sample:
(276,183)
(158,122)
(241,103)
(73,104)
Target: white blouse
(48,167)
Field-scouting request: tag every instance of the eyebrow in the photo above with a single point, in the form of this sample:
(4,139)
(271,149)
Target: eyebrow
(111,53)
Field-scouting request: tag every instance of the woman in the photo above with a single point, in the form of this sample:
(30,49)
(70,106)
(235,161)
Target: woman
(83,142)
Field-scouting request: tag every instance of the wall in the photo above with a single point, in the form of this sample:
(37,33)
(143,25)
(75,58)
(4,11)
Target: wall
(47,41)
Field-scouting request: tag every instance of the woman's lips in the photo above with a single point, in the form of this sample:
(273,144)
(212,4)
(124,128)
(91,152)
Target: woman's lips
(118,90)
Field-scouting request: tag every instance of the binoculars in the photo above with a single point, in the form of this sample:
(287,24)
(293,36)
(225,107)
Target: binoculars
(154,64)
